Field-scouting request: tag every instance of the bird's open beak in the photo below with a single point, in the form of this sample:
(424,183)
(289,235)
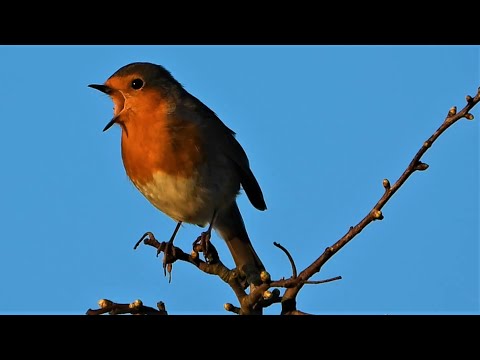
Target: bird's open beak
(106,90)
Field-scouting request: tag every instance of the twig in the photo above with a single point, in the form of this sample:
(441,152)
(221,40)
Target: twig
(288,301)
(135,308)
(294,268)
(324,281)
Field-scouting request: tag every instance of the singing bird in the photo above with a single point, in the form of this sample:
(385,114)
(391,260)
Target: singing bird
(183,158)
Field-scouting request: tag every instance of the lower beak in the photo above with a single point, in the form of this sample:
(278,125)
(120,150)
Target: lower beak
(110,124)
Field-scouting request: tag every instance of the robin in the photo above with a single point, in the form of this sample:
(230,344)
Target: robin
(183,158)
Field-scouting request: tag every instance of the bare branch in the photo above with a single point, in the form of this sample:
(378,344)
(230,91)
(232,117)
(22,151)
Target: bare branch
(135,308)
(213,267)
(324,281)
(294,268)
(375,214)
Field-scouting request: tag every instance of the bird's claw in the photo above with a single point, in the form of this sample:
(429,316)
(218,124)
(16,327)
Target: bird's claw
(168,257)
(201,244)
(167,248)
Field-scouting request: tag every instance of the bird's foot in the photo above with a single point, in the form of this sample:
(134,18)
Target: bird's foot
(169,258)
(204,245)
(169,255)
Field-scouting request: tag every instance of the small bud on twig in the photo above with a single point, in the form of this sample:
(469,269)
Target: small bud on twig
(468,98)
(386,184)
(231,308)
(377,214)
(267,294)
(136,304)
(469,116)
(103,303)
(421,166)
(452,111)
(265,276)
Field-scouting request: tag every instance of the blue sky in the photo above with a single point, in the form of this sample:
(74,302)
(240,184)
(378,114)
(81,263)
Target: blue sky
(322,126)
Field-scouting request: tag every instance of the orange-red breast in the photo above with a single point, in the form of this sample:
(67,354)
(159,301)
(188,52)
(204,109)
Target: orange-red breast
(182,157)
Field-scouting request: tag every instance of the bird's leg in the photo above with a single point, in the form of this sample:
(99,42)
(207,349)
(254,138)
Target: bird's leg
(169,250)
(204,239)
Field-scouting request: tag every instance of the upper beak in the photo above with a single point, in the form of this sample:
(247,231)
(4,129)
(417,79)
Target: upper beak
(105,89)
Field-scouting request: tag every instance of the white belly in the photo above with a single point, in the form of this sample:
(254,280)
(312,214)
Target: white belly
(187,199)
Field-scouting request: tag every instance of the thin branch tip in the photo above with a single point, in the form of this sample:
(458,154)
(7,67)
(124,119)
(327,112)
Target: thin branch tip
(231,308)
(323,281)
(144,236)
(386,184)
(290,258)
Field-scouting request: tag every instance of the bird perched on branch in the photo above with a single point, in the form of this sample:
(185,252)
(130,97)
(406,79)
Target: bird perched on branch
(183,158)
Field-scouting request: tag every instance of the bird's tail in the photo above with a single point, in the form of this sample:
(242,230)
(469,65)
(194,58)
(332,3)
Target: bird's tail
(230,226)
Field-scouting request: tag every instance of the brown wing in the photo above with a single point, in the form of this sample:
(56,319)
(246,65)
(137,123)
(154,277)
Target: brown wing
(233,150)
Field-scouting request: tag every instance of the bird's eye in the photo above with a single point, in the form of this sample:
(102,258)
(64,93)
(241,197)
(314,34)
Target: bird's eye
(137,84)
